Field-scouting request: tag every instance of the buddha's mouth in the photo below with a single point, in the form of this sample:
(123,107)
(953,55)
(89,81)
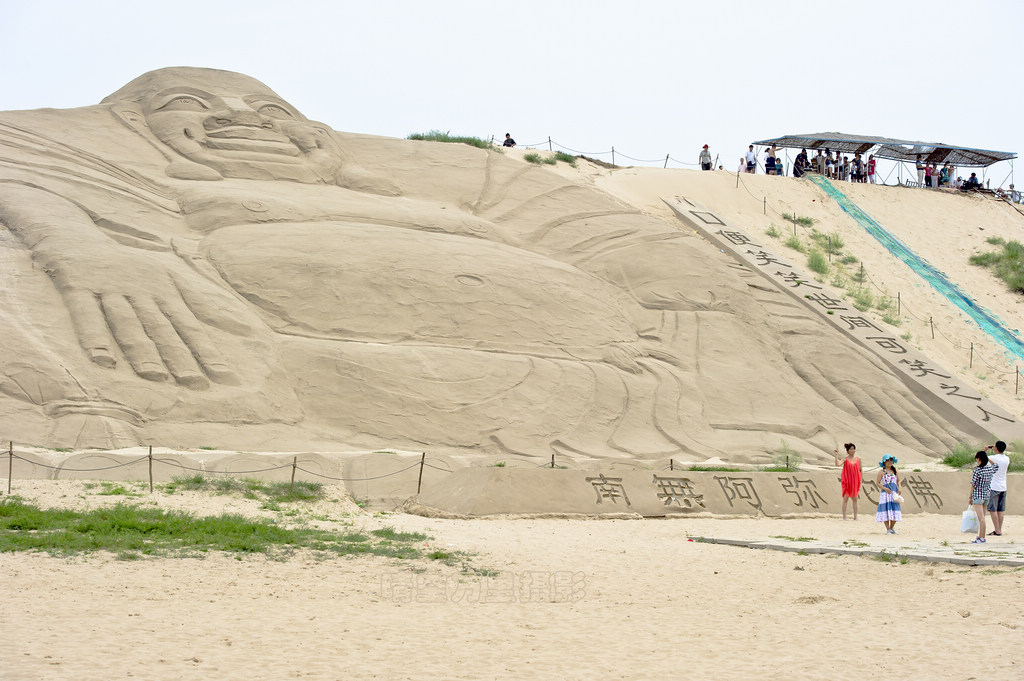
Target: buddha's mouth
(250,139)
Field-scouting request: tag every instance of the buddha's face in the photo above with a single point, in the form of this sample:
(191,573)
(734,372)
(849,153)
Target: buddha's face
(235,125)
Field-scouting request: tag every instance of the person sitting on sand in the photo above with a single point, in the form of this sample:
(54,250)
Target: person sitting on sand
(850,478)
(888,481)
(509,142)
(972,184)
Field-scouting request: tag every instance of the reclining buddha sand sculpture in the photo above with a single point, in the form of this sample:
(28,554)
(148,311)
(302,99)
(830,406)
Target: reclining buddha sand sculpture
(195,262)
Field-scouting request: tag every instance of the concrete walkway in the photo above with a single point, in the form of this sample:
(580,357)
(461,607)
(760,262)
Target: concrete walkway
(958,553)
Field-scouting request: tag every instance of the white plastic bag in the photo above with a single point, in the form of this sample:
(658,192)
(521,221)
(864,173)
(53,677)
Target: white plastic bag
(969,521)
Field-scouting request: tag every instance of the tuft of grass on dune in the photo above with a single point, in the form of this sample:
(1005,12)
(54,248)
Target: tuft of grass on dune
(1007,264)
(438,136)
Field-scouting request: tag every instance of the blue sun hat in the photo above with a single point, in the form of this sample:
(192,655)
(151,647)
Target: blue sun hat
(881,464)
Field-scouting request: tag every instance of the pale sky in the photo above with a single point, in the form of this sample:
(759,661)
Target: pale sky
(649,77)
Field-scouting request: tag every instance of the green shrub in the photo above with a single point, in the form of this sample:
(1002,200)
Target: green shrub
(773,231)
(817,262)
(795,243)
(532,157)
(806,222)
(549,160)
(785,458)
(565,158)
(891,319)
(862,298)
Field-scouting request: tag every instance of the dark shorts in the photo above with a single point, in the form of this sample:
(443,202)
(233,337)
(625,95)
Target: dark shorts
(750,167)
(997,501)
(705,166)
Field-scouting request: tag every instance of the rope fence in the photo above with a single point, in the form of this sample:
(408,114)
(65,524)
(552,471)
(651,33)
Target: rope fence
(974,352)
(295,467)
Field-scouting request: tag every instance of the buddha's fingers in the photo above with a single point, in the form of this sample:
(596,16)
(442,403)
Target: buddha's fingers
(172,348)
(195,337)
(92,329)
(132,338)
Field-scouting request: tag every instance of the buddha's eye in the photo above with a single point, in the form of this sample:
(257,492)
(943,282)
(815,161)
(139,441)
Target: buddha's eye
(275,111)
(184,103)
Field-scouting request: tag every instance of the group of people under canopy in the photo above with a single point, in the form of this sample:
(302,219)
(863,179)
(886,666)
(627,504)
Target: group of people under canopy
(834,167)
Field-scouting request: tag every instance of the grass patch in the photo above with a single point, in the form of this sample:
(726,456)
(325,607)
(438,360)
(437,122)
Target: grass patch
(806,222)
(438,136)
(498,464)
(271,492)
(532,157)
(773,231)
(1007,264)
(995,240)
(392,534)
(726,469)
(565,158)
(132,532)
(817,262)
(109,489)
(795,243)
(788,538)
(962,455)
(862,297)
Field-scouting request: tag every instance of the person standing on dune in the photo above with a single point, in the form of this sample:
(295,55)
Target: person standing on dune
(850,478)
(705,158)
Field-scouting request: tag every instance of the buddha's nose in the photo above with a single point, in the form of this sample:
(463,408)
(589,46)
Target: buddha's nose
(236,112)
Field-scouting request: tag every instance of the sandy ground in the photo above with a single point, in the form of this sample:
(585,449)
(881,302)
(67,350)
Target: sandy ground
(567,599)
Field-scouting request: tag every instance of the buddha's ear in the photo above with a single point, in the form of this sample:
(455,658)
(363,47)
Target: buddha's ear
(130,115)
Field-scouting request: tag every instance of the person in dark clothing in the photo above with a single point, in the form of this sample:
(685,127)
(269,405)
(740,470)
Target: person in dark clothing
(509,142)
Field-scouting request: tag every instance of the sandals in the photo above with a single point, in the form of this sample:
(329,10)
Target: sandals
(995,534)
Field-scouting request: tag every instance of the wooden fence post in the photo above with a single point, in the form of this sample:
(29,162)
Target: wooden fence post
(552,459)
(423,461)
(151,469)
(295,463)
(10,465)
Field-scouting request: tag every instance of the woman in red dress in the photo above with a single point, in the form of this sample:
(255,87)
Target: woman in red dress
(850,478)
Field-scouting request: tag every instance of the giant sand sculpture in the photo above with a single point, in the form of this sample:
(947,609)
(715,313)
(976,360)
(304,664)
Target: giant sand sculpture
(192,262)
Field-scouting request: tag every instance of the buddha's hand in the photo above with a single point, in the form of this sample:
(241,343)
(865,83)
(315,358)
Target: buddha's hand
(147,308)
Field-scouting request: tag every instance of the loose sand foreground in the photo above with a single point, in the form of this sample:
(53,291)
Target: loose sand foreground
(568,599)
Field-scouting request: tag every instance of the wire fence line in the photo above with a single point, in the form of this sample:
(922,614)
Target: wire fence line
(295,467)
(1007,368)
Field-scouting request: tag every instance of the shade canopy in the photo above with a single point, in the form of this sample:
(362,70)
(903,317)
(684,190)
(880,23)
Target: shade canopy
(893,149)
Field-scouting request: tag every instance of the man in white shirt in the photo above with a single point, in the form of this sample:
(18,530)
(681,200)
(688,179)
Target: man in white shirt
(997,499)
(752,161)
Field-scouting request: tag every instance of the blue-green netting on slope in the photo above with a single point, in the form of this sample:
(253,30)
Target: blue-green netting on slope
(989,324)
